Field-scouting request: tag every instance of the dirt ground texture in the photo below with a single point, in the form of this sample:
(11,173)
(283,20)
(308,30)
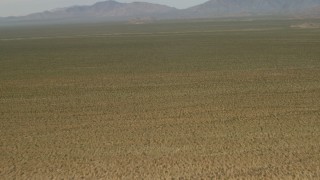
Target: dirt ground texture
(208,105)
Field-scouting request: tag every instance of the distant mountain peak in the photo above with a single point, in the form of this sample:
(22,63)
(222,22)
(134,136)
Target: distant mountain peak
(112,10)
(109,3)
(108,10)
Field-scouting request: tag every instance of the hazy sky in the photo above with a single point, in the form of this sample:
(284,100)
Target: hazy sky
(22,7)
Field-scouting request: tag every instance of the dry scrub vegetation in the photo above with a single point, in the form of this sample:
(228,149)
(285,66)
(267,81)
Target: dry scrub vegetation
(199,105)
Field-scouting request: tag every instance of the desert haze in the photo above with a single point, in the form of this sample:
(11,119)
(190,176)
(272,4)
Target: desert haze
(198,98)
(116,11)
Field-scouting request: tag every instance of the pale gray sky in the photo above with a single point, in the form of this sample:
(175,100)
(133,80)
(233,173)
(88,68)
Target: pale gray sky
(23,7)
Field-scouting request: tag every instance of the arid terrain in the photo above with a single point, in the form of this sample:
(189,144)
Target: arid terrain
(183,100)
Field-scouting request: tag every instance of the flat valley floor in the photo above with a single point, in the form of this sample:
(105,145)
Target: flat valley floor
(212,99)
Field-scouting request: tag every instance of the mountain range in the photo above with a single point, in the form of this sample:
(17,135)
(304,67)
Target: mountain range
(232,8)
(115,11)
